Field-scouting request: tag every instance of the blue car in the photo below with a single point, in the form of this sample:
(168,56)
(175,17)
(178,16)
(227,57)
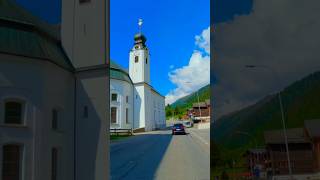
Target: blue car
(178,129)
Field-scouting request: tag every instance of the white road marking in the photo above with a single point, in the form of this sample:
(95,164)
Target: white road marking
(200,138)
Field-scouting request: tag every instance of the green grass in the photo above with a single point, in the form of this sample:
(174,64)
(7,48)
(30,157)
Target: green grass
(119,137)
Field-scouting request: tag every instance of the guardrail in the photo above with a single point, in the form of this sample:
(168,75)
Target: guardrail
(121,131)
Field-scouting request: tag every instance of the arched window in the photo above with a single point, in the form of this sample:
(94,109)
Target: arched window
(113,115)
(11,162)
(13,112)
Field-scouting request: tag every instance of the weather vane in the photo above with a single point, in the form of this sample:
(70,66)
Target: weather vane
(140,24)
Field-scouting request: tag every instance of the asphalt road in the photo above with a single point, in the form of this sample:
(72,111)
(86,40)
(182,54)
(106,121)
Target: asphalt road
(160,156)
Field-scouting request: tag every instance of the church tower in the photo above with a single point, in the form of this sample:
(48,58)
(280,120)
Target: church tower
(139,59)
(83,31)
(84,37)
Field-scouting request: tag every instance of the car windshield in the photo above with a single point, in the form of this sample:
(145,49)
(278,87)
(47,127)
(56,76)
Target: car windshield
(178,125)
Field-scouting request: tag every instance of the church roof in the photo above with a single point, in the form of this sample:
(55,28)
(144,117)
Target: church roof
(23,34)
(117,72)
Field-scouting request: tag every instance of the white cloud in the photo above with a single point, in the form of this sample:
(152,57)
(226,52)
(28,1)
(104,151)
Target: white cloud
(203,40)
(283,35)
(194,75)
(171,66)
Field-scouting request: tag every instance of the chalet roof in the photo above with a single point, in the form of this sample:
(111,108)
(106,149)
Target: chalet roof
(207,101)
(23,34)
(295,135)
(313,127)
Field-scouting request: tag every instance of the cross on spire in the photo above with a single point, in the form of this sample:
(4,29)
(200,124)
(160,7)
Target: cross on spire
(140,22)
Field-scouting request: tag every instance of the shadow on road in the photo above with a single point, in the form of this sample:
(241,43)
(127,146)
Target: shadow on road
(138,157)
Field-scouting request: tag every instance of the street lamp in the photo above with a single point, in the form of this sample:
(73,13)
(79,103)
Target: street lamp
(198,102)
(282,115)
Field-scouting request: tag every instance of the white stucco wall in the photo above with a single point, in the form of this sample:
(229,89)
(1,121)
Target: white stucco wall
(139,106)
(159,110)
(148,104)
(42,86)
(149,108)
(92,132)
(83,31)
(84,37)
(122,89)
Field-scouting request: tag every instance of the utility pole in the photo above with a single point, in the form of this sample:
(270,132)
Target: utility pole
(282,116)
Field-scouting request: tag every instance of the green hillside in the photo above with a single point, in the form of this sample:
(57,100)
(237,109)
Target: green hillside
(301,101)
(182,104)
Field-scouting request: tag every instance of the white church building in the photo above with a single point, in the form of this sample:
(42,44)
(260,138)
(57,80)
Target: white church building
(54,93)
(134,103)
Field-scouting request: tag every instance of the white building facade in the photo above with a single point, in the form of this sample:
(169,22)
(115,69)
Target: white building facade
(134,102)
(54,93)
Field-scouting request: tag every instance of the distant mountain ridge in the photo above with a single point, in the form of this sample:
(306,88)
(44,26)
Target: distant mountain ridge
(187,101)
(301,101)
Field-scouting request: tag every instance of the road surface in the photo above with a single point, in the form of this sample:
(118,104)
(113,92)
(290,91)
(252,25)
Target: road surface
(160,156)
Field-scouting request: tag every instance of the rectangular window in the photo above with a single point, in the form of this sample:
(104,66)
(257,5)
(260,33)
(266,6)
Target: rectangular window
(85,112)
(113,115)
(13,113)
(54,164)
(114,97)
(127,115)
(127,99)
(54,119)
(11,162)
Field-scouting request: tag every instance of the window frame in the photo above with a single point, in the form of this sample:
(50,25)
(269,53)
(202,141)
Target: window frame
(23,103)
(116,115)
(20,159)
(117,97)
(84,1)
(55,122)
(54,163)
(127,116)
(85,112)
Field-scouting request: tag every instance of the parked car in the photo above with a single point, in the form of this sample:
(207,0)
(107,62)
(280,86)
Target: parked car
(178,128)
(188,124)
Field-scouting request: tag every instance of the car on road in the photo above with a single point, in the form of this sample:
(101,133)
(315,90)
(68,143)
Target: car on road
(187,124)
(178,128)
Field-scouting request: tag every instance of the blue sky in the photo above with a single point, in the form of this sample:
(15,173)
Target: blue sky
(170,28)
(226,10)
